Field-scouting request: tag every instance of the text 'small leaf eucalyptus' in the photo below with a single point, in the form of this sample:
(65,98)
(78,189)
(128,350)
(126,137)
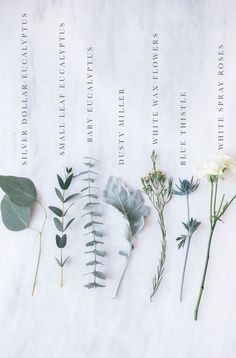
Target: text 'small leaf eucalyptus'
(184,189)
(61,214)
(17,207)
(93,217)
(159,189)
(131,205)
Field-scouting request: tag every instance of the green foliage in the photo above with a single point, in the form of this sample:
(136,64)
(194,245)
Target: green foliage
(92,214)
(61,213)
(131,205)
(159,189)
(17,206)
(21,191)
(15,217)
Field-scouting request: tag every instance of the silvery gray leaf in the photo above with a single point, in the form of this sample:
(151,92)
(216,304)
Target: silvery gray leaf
(129,203)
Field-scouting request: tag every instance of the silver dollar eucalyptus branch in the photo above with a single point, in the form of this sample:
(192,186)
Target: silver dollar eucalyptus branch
(17,207)
(159,190)
(131,205)
(185,188)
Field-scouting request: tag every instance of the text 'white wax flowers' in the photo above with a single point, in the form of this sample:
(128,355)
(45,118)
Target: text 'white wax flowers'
(216,167)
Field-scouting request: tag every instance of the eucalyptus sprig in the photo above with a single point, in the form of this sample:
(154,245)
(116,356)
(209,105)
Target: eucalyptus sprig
(159,189)
(214,171)
(59,219)
(17,208)
(131,205)
(185,188)
(93,215)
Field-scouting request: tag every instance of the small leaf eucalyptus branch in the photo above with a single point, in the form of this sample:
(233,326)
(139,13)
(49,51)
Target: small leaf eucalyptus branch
(214,170)
(59,219)
(159,190)
(90,193)
(185,188)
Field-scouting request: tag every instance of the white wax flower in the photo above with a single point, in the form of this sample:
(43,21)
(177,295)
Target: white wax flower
(217,166)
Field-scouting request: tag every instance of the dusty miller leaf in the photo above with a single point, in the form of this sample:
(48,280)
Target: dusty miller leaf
(129,203)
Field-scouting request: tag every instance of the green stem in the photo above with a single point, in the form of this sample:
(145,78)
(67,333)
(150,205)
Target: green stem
(204,273)
(62,221)
(62,277)
(161,265)
(187,252)
(40,247)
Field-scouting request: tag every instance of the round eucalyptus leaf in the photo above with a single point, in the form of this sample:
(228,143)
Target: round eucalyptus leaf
(21,191)
(14,217)
(61,241)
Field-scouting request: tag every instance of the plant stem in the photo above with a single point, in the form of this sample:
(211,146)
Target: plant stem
(62,278)
(62,221)
(161,265)
(40,247)
(122,273)
(213,221)
(187,251)
(204,273)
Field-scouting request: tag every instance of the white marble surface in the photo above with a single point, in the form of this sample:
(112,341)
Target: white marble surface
(72,321)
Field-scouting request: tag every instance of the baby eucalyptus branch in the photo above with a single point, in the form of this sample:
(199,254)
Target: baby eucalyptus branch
(94,221)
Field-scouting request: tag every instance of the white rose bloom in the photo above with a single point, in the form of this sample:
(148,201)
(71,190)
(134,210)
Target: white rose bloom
(210,168)
(217,166)
(229,162)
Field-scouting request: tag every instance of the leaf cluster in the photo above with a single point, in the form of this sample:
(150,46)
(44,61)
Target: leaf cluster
(62,211)
(94,222)
(191,226)
(17,204)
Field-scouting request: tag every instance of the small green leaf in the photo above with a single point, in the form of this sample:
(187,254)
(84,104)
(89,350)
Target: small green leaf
(94,242)
(89,180)
(97,252)
(68,224)
(89,195)
(68,209)
(92,223)
(59,194)
(58,261)
(15,217)
(93,285)
(99,274)
(90,165)
(70,197)
(21,191)
(61,241)
(68,170)
(68,181)
(58,224)
(61,182)
(89,205)
(92,213)
(123,253)
(94,262)
(65,261)
(56,211)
